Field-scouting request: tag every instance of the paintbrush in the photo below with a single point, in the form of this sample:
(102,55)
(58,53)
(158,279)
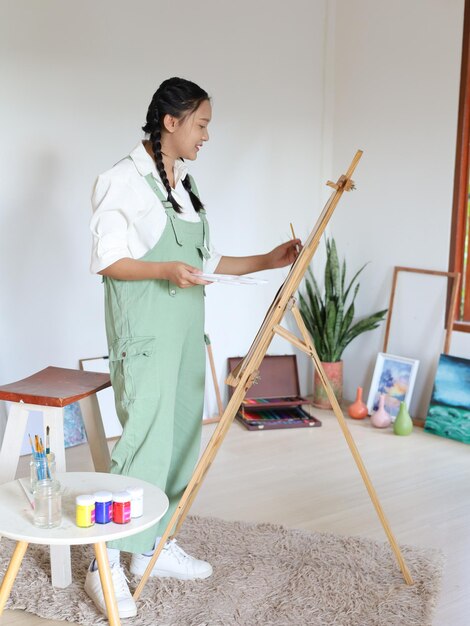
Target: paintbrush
(294,237)
(32,447)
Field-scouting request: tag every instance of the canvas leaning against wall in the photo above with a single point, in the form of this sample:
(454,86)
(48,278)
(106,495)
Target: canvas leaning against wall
(449,409)
(394,376)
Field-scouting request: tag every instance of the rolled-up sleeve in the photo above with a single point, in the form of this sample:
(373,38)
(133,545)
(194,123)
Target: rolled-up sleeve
(211,263)
(113,203)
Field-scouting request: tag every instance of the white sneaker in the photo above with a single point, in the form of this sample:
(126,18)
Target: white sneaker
(172,562)
(125,601)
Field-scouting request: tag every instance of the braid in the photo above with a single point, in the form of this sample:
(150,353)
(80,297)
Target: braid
(177,97)
(196,202)
(155,138)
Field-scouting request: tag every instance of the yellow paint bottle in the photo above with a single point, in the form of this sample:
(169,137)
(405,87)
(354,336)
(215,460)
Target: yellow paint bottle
(85,511)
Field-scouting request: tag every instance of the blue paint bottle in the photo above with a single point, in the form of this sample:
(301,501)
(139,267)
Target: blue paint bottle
(103,507)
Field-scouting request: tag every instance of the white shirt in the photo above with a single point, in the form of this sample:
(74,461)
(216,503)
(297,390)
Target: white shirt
(128,217)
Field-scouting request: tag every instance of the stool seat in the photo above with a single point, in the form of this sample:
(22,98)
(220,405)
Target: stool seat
(55,386)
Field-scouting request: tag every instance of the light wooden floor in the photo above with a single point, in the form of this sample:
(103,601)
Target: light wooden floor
(306,478)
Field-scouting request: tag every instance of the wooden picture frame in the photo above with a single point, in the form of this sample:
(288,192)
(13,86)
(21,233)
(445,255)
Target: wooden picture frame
(452,276)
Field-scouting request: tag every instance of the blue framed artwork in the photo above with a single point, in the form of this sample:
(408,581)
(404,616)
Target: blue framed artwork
(449,409)
(394,376)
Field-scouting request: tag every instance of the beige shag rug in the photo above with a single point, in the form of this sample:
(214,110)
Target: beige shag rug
(264,575)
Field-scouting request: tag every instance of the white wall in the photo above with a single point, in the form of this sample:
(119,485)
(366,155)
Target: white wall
(397,71)
(296,88)
(77,80)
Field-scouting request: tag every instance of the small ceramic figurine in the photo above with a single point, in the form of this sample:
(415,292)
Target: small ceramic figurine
(381,418)
(403,424)
(358,410)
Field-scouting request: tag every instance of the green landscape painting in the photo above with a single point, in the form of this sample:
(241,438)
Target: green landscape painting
(449,409)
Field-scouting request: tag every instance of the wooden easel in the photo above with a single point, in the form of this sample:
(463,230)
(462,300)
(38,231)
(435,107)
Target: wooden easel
(243,377)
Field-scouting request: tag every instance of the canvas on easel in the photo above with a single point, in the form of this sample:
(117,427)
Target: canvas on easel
(246,373)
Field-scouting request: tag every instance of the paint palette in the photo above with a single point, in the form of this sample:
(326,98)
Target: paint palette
(274,402)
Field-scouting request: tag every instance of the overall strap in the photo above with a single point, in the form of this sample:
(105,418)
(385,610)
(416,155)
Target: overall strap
(205,248)
(169,210)
(156,189)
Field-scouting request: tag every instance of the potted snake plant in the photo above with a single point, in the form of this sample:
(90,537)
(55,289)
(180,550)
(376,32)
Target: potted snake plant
(328,314)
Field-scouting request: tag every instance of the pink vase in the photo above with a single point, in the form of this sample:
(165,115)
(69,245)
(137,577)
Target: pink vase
(358,409)
(380,418)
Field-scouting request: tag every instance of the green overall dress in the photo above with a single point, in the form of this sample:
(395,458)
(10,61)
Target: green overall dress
(155,334)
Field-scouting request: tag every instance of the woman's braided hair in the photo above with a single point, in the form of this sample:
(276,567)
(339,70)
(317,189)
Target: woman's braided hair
(177,97)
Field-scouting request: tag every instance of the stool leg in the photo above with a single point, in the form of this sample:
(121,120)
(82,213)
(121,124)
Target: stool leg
(95,433)
(11,573)
(3,418)
(12,442)
(107,584)
(61,564)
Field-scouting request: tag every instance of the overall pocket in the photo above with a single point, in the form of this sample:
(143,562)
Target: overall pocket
(132,366)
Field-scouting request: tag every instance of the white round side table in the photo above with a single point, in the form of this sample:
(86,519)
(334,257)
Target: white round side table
(16,522)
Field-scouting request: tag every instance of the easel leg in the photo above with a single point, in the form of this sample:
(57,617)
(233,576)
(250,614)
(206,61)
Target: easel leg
(12,572)
(352,446)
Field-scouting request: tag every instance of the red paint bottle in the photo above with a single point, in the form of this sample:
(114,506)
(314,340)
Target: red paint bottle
(121,507)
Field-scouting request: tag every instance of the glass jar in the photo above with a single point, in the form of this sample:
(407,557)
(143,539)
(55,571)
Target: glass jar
(47,503)
(42,468)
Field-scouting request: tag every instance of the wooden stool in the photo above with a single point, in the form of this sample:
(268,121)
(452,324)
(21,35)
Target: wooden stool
(49,391)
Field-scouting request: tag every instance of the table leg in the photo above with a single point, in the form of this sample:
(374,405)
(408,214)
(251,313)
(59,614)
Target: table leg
(107,583)
(11,573)
(61,567)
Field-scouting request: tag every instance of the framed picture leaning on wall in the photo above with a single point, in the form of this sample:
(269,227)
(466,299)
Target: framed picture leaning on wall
(395,377)
(449,408)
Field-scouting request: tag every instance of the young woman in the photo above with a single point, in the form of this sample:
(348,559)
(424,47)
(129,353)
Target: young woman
(151,242)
